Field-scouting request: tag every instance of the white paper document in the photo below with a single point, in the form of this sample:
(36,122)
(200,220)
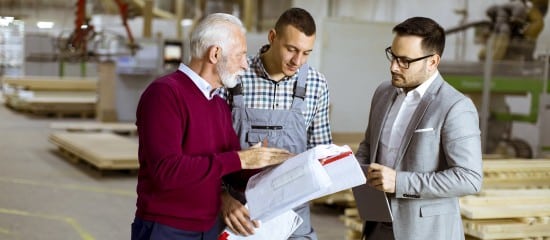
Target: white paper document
(317,172)
(278,228)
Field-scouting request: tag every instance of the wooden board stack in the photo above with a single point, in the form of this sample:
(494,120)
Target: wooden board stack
(514,203)
(51,95)
(103,150)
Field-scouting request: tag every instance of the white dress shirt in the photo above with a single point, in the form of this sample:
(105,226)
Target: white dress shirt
(202,84)
(397,121)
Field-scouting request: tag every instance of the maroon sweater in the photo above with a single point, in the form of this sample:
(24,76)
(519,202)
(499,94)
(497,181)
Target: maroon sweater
(186,145)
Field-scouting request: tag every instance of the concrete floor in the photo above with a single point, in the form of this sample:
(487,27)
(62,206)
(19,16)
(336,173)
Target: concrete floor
(43,196)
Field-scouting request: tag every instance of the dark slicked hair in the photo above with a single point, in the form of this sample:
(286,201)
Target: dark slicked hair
(432,34)
(298,18)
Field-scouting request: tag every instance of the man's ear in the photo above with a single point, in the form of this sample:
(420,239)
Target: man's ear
(271,36)
(214,53)
(433,62)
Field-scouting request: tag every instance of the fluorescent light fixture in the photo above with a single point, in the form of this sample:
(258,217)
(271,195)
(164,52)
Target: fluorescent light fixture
(186,22)
(44,24)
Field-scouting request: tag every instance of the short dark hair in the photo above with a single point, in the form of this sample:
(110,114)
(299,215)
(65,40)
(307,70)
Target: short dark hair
(298,18)
(433,35)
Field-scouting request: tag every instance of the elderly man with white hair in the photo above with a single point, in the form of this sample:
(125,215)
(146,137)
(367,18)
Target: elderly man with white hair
(186,139)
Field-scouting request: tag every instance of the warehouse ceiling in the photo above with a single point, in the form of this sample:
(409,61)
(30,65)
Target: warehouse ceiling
(22,8)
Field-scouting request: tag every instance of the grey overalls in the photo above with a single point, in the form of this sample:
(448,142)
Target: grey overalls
(281,128)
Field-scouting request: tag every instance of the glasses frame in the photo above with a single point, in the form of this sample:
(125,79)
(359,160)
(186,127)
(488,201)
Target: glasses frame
(403,62)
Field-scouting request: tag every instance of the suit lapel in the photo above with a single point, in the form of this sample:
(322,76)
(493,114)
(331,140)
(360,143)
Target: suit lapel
(379,119)
(417,116)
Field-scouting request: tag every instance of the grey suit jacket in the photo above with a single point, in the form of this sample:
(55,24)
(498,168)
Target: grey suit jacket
(434,167)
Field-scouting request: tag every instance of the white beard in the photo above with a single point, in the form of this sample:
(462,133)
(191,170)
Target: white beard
(228,79)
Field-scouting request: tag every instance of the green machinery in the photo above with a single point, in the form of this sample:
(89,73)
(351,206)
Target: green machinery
(509,35)
(524,79)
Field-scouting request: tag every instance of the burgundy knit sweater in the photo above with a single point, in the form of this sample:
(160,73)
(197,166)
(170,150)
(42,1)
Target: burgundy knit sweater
(186,145)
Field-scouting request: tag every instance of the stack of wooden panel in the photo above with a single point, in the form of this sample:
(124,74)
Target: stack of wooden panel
(343,198)
(51,95)
(353,224)
(515,202)
(515,173)
(123,128)
(507,214)
(102,150)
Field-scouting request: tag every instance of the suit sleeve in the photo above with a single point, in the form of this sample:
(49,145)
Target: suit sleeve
(461,153)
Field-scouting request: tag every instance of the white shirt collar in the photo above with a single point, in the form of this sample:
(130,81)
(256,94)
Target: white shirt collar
(202,84)
(422,88)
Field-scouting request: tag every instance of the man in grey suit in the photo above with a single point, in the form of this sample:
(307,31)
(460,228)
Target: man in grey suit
(422,142)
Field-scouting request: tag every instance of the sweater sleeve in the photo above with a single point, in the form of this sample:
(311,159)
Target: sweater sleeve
(161,122)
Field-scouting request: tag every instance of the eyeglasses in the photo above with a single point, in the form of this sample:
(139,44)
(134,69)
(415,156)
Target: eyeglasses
(403,62)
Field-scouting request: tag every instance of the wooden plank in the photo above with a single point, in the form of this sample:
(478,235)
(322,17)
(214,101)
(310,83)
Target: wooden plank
(517,165)
(102,150)
(491,212)
(119,127)
(52,83)
(506,229)
(343,198)
(52,102)
(353,224)
(504,200)
(515,192)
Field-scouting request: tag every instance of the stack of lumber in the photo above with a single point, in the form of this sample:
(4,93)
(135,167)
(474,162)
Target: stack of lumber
(513,204)
(515,173)
(51,95)
(353,224)
(124,128)
(343,198)
(507,214)
(102,150)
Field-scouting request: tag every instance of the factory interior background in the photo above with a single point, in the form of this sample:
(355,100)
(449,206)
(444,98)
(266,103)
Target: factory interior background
(72,72)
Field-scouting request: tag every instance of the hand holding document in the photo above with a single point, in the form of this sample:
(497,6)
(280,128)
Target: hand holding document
(317,172)
(280,227)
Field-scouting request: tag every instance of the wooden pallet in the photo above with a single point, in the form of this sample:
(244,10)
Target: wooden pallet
(105,151)
(353,224)
(515,173)
(115,127)
(54,103)
(521,228)
(51,83)
(343,198)
(498,207)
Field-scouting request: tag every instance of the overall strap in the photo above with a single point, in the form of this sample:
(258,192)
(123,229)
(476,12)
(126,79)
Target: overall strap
(300,90)
(237,94)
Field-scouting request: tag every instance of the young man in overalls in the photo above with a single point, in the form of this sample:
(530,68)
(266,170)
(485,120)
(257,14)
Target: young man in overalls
(281,102)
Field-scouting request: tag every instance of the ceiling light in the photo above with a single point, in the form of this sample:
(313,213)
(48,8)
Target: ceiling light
(186,22)
(44,24)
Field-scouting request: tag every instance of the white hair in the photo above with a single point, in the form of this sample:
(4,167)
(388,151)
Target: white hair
(214,30)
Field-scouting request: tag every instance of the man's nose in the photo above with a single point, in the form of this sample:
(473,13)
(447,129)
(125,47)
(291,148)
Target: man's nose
(298,59)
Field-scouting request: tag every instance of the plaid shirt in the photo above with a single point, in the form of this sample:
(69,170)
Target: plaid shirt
(260,92)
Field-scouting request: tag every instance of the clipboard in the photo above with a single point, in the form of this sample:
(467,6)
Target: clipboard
(372,205)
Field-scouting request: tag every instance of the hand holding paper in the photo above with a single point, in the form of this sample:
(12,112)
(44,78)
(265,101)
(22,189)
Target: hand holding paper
(302,178)
(278,228)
